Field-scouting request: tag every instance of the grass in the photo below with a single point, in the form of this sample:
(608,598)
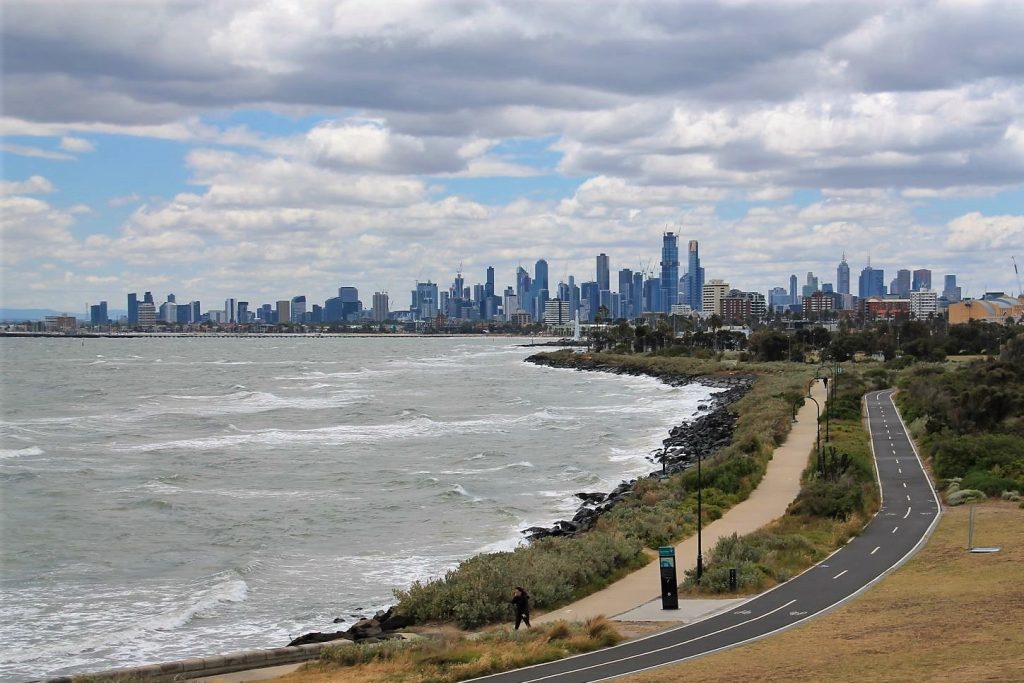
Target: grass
(946,615)
(456,658)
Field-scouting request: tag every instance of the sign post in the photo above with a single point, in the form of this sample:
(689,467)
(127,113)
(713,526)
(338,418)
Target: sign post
(669,589)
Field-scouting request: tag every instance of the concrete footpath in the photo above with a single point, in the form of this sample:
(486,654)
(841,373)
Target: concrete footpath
(778,488)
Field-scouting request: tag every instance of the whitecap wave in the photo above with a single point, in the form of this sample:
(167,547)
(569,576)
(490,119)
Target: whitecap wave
(20,452)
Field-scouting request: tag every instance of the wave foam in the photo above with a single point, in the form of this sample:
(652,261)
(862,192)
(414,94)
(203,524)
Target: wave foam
(20,452)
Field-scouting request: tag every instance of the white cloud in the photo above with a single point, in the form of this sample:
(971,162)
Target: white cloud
(37,152)
(975,231)
(33,185)
(72,144)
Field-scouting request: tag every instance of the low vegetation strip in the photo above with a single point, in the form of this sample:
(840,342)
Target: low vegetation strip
(457,658)
(658,510)
(838,496)
(947,615)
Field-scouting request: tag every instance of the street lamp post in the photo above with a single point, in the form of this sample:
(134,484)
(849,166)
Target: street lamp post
(817,424)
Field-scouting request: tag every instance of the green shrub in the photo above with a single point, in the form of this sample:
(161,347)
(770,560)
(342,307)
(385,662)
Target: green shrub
(965,496)
(837,500)
(988,482)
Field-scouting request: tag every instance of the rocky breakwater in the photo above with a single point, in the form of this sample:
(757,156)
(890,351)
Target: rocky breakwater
(686,442)
(381,627)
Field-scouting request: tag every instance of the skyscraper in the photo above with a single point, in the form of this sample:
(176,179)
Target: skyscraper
(871,283)
(284,309)
(298,308)
(792,290)
(694,294)
(843,276)
(230,310)
(603,274)
(922,280)
(637,292)
(669,271)
(489,287)
(626,293)
(380,306)
(133,309)
(901,285)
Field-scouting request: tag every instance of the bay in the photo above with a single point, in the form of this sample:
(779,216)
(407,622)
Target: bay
(171,498)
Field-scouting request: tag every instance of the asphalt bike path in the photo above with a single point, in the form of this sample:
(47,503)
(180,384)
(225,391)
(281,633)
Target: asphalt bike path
(908,514)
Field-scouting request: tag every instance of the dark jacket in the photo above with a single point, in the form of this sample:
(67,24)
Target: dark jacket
(522,603)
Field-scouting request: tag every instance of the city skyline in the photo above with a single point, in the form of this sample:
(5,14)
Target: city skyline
(221,149)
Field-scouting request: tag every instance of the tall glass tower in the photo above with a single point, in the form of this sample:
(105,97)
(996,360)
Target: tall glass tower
(695,279)
(602,272)
(669,271)
(843,276)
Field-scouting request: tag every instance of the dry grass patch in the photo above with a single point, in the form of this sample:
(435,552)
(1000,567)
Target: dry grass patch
(946,615)
(455,658)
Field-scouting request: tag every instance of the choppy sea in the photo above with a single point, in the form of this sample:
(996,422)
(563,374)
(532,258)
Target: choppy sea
(172,498)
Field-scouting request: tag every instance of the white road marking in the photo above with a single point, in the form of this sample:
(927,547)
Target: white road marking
(904,484)
(897,459)
(895,529)
(840,573)
(875,550)
(660,649)
(908,496)
(901,470)
(908,513)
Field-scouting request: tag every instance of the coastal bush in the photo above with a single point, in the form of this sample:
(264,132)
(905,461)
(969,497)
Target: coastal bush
(988,482)
(965,496)
(554,570)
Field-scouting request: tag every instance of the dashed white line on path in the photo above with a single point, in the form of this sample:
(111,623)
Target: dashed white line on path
(908,513)
(908,496)
(840,573)
(895,529)
(904,484)
(875,550)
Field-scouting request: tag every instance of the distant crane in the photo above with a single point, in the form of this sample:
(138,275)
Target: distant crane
(1017,273)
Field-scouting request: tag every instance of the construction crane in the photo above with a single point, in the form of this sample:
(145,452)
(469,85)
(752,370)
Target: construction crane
(1017,273)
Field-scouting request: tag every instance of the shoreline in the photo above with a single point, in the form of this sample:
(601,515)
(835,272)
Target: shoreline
(697,437)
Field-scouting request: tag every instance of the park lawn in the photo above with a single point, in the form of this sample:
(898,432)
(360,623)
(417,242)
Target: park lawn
(946,615)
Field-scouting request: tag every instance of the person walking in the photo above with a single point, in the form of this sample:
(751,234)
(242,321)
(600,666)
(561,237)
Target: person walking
(521,602)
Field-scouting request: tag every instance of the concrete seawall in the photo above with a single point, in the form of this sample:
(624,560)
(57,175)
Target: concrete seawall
(198,667)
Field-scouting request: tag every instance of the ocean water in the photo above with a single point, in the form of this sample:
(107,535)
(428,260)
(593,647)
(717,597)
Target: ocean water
(171,498)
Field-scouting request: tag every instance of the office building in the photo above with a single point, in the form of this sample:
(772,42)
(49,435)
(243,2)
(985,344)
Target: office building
(712,295)
(922,279)
(792,290)
(669,271)
(817,303)
(284,315)
(811,284)
(98,314)
(626,294)
(778,299)
(843,276)
(694,279)
(902,284)
(298,309)
(871,283)
(242,315)
(196,314)
(133,309)
(425,301)
(603,272)
(652,295)
(950,291)
(230,311)
(924,303)
(556,312)
(147,313)
(380,306)
(590,299)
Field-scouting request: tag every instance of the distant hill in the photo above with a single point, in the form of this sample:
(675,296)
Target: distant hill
(20,315)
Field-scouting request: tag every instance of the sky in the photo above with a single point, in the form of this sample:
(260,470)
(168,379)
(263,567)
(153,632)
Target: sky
(262,150)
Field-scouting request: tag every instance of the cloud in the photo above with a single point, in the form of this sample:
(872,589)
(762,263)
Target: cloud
(37,152)
(33,185)
(72,144)
(975,231)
